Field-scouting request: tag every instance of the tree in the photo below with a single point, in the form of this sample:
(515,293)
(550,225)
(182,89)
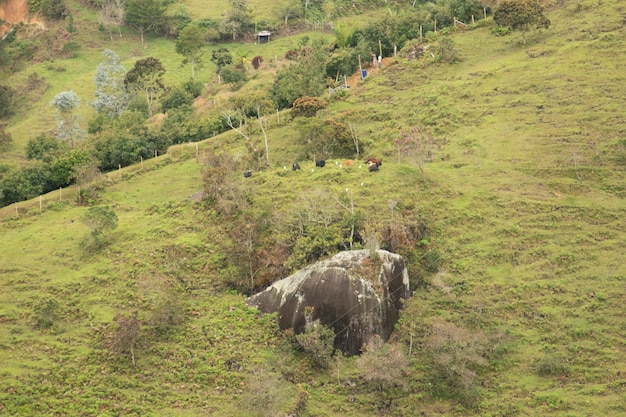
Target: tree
(189,44)
(146,78)
(64,170)
(111,95)
(221,57)
(68,123)
(7,100)
(307,77)
(233,76)
(288,9)
(177,18)
(237,19)
(145,15)
(26,183)
(112,14)
(520,15)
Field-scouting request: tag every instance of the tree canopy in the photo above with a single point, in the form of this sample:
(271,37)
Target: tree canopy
(520,15)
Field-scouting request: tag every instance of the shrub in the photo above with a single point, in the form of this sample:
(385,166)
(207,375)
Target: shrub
(125,335)
(382,363)
(317,340)
(175,98)
(292,54)
(46,312)
(7,100)
(307,106)
(5,139)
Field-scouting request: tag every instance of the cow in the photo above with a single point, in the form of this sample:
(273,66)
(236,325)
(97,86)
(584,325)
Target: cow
(372,167)
(320,163)
(376,161)
(295,166)
(247,174)
(347,163)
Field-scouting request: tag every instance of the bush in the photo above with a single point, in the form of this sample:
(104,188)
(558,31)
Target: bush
(317,340)
(382,363)
(175,98)
(307,106)
(7,101)
(5,140)
(54,9)
(46,312)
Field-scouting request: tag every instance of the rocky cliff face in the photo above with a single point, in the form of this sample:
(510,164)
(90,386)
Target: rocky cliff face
(11,13)
(356,294)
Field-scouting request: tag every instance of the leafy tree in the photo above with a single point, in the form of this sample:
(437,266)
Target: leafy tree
(175,98)
(68,123)
(7,100)
(112,13)
(521,15)
(177,18)
(297,80)
(44,147)
(189,44)
(64,170)
(288,9)
(26,183)
(325,138)
(221,57)
(252,103)
(233,76)
(146,77)
(237,20)
(145,15)
(111,94)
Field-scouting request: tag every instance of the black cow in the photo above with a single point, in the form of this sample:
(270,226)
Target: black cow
(320,163)
(247,174)
(295,166)
(372,167)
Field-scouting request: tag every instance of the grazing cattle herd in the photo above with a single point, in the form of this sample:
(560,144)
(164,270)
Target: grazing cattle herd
(373,165)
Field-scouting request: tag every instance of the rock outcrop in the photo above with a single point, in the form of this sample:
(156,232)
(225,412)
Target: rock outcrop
(356,294)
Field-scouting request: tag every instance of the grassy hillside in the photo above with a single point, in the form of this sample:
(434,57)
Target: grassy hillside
(525,203)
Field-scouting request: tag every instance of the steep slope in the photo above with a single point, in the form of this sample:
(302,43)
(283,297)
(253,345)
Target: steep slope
(526,198)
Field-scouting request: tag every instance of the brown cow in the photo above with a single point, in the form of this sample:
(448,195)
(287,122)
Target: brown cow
(374,161)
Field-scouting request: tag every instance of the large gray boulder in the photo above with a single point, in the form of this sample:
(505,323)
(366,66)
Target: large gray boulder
(355,293)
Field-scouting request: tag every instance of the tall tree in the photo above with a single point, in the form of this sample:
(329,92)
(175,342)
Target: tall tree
(520,15)
(112,14)
(111,95)
(189,44)
(146,78)
(237,20)
(145,15)
(68,122)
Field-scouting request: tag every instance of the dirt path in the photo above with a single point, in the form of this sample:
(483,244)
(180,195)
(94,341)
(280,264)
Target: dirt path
(371,71)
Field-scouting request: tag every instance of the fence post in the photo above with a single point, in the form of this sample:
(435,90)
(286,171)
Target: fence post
(40,204)
(119,169)
(141,162)
(60,193)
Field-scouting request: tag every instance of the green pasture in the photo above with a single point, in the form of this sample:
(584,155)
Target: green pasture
(524,201)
